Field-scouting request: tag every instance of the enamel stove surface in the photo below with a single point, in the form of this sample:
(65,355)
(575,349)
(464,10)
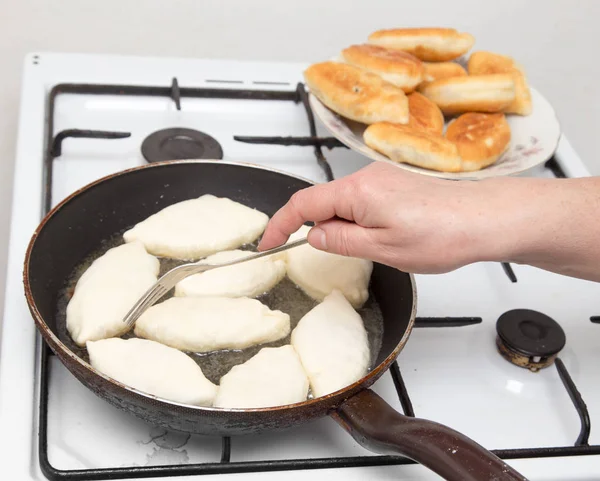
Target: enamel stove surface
(454,375)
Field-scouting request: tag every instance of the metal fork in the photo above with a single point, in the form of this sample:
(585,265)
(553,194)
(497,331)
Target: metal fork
(179,273)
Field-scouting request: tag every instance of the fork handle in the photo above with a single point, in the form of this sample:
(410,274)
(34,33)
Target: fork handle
(268,252)
(171,278)
(281,248)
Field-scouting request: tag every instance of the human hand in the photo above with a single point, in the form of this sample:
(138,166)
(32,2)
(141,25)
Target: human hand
(421,224)
(415,223)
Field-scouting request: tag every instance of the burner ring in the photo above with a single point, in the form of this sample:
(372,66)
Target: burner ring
(529,338)
(180,144)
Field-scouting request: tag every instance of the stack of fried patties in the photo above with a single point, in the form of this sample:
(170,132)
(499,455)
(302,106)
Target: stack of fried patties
(404,82)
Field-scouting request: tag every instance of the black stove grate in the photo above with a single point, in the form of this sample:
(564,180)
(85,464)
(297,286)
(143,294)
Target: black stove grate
(53,150)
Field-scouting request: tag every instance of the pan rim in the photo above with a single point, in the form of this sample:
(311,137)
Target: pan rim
(365,381)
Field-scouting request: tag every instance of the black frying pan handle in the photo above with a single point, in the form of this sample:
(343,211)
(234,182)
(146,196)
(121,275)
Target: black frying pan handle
(378,427)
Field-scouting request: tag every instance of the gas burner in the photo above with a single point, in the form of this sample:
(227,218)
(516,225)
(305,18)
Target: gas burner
(180,144)
(529,338)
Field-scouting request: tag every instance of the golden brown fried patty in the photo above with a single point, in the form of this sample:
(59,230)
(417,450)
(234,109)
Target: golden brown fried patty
(396,67)
(441,70)
(357,94)
(480,138)
(424,114)
(405,144)
(429,44)
(489,63)
(473,93)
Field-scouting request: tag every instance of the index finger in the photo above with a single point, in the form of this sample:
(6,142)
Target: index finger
(313,204)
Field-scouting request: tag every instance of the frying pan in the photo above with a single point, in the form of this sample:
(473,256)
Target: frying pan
(76,228)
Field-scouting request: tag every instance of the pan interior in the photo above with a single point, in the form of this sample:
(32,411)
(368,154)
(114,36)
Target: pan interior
(285,297)
(92,221)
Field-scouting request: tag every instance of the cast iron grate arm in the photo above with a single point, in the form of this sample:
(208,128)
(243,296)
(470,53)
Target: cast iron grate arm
(176,93)
(578,402)
(327,142)
(303,96)
(56,148)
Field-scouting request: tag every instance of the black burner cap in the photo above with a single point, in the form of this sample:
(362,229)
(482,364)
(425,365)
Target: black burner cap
(530,333)
(180,144)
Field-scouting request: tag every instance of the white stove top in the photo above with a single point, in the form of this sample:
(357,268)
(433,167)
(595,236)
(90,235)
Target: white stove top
(453,375)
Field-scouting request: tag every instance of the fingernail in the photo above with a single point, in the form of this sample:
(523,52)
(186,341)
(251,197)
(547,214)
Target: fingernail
(319,236)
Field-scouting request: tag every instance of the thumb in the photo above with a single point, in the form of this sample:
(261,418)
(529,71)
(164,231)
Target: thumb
(344,238)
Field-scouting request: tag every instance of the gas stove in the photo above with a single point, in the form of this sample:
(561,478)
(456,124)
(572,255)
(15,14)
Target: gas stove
(84,116)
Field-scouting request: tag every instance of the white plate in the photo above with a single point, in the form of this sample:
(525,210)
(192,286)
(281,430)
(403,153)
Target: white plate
(534,140)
